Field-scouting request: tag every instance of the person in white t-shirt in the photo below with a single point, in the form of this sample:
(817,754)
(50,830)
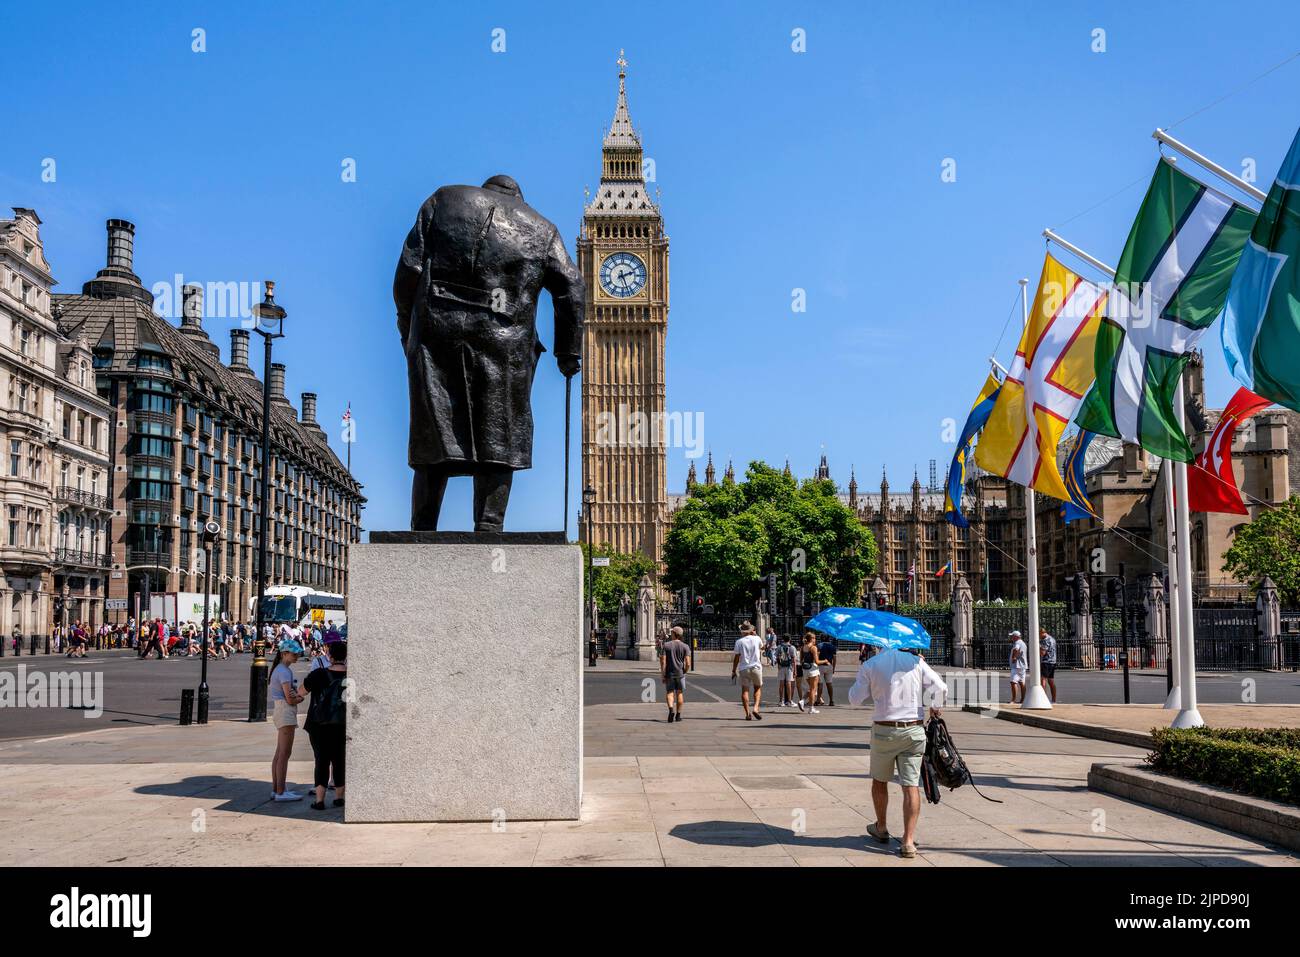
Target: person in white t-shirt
(748,663)
(1019,660)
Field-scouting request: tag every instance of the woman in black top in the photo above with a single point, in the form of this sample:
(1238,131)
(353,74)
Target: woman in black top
(326,725)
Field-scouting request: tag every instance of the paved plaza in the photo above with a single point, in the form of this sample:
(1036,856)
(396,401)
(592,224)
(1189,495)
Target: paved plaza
(710,790)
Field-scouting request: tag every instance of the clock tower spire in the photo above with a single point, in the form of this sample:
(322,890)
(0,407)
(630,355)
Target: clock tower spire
(623,255)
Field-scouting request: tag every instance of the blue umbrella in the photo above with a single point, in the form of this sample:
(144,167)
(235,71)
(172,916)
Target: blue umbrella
(867,627)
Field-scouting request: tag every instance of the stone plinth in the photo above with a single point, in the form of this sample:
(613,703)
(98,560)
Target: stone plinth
(466,662)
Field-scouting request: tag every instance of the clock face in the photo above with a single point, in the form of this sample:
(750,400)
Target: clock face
(622,275)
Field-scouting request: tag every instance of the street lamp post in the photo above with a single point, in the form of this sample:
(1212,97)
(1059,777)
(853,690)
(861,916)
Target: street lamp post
(589,499)
(269,324)
(211,531)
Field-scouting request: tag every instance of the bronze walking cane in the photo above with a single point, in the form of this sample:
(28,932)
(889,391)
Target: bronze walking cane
(568,408)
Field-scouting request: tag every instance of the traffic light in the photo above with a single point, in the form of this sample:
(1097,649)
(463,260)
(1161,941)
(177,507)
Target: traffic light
(699,604)
(798,600)
(1115,592)
(771,589)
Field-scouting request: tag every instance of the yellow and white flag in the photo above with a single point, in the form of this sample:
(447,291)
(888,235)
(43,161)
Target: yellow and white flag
(1052,371)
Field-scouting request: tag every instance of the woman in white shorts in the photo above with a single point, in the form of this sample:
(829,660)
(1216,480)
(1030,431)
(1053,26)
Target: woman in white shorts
(285,698)
(812,662)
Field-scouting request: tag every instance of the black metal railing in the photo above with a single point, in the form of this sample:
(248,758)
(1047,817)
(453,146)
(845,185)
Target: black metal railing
(78,496)
(148,557)
(80,556)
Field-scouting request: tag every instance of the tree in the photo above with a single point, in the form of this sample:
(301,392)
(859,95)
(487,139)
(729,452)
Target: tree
(1270,545)
(727,537)
(621,577)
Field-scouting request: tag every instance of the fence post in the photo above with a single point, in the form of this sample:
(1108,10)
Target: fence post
(1153,602)
(963,622)
(879,593)
(1082,620)
(1268,619)
(645,620)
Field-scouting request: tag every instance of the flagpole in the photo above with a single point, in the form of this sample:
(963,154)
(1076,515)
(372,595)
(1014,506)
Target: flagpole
(1174,700)
(1035,698)
(1188,716)
(1161,136)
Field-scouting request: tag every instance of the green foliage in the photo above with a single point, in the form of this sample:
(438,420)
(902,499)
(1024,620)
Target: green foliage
(727,537)
(620,578)
(1270,545)
(1261,762)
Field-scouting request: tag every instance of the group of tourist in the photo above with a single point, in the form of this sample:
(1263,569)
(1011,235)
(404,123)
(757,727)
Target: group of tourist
(326,724)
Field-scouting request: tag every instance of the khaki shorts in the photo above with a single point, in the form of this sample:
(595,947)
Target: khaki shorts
(751,677)
(900,748)
(286,715)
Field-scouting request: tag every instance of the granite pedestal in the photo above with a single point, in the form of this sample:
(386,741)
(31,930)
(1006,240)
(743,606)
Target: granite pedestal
(465,654)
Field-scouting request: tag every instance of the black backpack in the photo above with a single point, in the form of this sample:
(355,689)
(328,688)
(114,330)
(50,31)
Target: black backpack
(943,764)
(329,706)
(784,656)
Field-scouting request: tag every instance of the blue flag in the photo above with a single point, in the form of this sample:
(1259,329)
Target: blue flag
(1073,473)
(1261,317)
(979,414)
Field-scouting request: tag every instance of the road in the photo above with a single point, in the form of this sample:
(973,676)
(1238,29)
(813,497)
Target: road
(149,691)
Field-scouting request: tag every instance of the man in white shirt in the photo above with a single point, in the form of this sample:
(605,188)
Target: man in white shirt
(901,685)
(748,660)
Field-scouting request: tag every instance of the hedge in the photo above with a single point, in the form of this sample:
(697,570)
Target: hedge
(1263,762)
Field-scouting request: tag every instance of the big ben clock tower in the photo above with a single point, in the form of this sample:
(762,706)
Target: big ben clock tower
(623,255)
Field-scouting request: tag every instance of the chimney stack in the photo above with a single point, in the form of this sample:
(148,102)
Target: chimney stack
(192,320)
(277,382)
(239,352)
(309,409)
(121,244)
(192,306)
(116,280)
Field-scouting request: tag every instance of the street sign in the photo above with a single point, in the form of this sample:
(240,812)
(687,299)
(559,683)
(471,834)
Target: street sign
(600,563)
(115,604)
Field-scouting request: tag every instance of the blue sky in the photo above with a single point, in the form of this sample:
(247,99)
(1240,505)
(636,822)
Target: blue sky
(779,170)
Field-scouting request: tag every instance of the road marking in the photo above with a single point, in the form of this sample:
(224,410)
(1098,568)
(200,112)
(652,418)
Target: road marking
(704,690)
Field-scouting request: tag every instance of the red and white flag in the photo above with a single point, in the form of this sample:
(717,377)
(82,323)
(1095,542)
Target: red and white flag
(1211,484)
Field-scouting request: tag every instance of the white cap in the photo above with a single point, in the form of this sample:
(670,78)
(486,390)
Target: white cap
(1014,634)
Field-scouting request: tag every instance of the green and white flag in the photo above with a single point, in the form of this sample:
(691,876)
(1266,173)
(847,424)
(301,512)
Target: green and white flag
(1169,286)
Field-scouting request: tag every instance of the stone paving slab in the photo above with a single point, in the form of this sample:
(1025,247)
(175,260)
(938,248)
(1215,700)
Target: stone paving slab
(789,791)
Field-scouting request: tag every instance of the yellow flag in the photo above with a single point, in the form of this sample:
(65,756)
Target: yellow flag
(1052,371)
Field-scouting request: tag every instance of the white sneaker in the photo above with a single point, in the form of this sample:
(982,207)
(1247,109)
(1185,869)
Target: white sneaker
(800,704)
(813,711)
(287,796)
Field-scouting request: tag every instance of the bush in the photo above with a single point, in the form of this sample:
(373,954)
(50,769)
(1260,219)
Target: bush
(1263,762)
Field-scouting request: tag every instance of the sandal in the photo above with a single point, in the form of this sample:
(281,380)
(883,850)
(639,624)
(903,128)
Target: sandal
(881,836)
(318,805)
(338,802)
(907,850)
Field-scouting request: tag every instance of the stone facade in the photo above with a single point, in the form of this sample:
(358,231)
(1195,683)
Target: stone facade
(29,342)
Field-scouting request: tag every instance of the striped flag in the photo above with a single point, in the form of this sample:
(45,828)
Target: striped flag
(1052,370)
(1169,286)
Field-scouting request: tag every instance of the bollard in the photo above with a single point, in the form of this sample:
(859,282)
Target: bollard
(258,675)
(47,644)
(187,706)
(32,646)
(18,646)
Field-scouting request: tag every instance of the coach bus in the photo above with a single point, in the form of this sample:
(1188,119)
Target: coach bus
(299,604)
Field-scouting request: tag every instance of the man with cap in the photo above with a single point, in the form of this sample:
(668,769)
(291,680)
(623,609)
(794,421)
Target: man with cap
(1019,667)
